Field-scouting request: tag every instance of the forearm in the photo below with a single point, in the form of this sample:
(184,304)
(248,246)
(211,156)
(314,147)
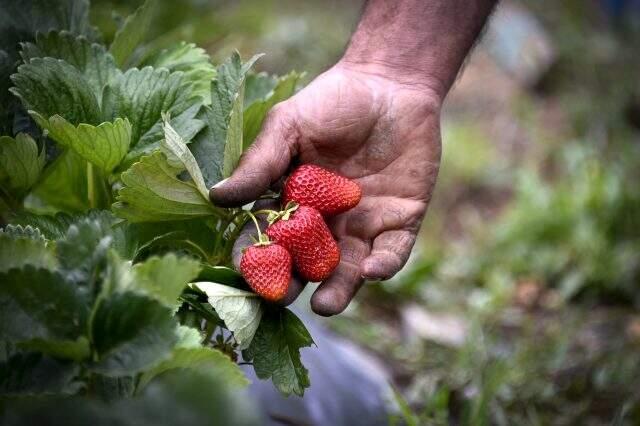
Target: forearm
(417,42)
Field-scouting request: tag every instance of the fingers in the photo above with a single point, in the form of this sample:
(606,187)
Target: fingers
(263,163)
(334,294)
(390,252)
(245,240)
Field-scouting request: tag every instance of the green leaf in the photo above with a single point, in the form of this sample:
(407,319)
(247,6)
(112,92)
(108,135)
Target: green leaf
(20,162)
(193,61)
(24,246)
(83,249)
(188,337)
(76,350)
(258,86)
(227,97)
(222,275)
(256,112)
(141,95)
(177,148)
(132,33)
(35,374)
(275,351)
(40,304)
(153,192)
(43,16)
(185,124)
(177,397)
(20,20)
(194,398)
(208,151)
(131,333)
(104,145)
(50,227)
(64,184)
(52,86)
(205,360)
(195,236)
(112,389)
(92,59)
(240,310)
(164,278)
(218,148)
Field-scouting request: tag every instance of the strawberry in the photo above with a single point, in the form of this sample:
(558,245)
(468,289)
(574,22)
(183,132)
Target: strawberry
(303,232)
(325,191)
(267,269)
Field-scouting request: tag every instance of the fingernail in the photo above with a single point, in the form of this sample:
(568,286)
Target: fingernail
(367,278)
(219,183)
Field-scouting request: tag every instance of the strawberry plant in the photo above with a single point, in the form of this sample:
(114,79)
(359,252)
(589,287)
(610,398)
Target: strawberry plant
(115,269)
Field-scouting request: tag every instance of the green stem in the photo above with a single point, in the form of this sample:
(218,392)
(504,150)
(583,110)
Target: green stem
(91,190)
(255,221)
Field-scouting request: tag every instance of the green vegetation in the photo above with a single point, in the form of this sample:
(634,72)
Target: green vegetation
(115,269)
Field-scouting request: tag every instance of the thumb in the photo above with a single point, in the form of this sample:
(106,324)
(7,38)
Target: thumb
(262,164)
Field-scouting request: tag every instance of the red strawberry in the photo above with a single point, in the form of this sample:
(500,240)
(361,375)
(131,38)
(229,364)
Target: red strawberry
(267,269)
(308,239)
(321,189)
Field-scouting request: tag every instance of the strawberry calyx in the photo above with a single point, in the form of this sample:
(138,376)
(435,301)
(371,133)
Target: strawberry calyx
(283,214)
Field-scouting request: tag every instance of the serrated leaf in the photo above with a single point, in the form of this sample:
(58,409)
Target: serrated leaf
(24,246)
(185,124)
(40,304)
(20,20)
(275,351)
(193,61)
(132,33)
(64,184)
(256,112)
(176,146)
(188,337)
(194,236)
(52,86)
(44,16)
(141,95)
(35,374)
(153,192)
(18,231)
(20,162)
(218,148)
(227,97)
(104,145)
(83,249)
(205,360)
(164,278)
(50,227)
(208,151)
(92,59)
(131,333)
(240,310)
(258,86)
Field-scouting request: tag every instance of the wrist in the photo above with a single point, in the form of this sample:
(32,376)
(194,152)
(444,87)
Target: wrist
(404,78)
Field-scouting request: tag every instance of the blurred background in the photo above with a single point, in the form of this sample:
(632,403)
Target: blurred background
(521,302)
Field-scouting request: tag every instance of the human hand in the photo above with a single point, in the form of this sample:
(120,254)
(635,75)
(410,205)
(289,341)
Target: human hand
(382,133)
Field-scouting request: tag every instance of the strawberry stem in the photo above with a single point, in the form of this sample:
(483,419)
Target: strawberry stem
(262,239)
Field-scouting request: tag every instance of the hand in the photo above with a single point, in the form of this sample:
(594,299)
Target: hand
(383,134)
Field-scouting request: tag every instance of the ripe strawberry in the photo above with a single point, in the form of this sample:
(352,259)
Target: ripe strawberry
(267,269)
(321,189)
(315,253)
